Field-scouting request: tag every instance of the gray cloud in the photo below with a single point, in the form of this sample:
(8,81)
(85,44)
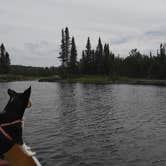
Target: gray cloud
(31,58)
(31,30)
(156,33)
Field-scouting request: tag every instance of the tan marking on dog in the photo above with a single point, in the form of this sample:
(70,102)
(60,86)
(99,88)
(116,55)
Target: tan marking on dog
(29,104)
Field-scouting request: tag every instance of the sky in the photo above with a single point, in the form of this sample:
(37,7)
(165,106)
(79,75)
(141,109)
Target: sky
(31,29)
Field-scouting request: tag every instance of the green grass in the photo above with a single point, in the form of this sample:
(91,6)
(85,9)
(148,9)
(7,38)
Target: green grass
(99,79)
(85,79)
(10,77)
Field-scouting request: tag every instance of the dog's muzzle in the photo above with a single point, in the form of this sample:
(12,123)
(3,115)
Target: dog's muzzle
(29,104)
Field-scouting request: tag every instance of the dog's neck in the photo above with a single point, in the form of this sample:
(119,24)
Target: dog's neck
(6,117)
(13,130)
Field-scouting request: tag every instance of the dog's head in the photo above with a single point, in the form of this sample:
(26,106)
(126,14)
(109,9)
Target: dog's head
(18,102)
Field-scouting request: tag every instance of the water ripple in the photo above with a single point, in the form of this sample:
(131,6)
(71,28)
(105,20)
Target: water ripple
(95,125)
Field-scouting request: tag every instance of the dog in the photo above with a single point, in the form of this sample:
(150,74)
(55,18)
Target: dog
(11,119)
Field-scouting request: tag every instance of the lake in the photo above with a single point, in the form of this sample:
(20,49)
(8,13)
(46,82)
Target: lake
(94,125)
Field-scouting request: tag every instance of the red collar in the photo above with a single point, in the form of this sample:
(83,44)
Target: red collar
(8,124)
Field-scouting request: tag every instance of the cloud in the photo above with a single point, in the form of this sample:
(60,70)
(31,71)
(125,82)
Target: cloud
(43,48)
(31,30)
(35,54)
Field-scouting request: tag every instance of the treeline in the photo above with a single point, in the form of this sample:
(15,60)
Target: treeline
(33,71)
(101,61)
(98,61)
(7,68)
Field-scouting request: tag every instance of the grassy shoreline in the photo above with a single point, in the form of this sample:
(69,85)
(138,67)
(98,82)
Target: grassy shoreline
(10,78)
(106,80)
(85,80)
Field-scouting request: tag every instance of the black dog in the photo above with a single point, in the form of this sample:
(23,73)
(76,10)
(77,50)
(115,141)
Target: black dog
(11,120)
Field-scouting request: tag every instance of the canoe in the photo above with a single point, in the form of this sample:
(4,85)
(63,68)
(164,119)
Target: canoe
(33,154)
(4,163)
(20,154)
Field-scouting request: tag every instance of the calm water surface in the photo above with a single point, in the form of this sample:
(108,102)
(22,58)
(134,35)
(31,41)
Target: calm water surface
(94,125)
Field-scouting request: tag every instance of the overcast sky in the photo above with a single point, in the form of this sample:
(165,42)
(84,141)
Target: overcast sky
(31,29)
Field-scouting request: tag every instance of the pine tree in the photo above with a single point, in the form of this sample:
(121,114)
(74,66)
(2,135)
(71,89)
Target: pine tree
(82,63)
(67,45)
(2,54)
(99,57)
(88,52)
(73,57)
(2,48)
(88,48)
(162,52)
(7,59)
(107,59)
(62,56)
(65,48)
(93,65)
(4,60)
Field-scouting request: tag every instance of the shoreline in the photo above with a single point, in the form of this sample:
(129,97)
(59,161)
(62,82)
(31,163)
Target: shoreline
(142,82)
(85,80)
(11,78)
(106,80)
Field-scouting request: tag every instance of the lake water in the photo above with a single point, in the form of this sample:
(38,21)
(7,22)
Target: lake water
(94,125)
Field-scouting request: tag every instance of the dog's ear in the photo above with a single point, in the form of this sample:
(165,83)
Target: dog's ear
(11,92)
(27,92)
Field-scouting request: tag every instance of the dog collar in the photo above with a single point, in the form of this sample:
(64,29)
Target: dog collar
(8,124)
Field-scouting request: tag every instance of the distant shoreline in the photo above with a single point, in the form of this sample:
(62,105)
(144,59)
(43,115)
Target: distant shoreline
(84,80)
(11,78)
(106,80)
